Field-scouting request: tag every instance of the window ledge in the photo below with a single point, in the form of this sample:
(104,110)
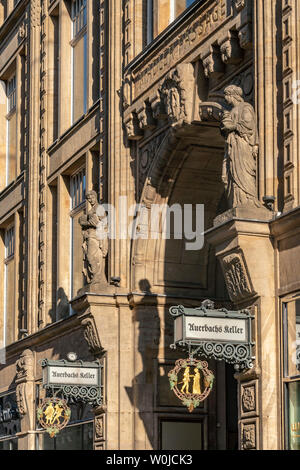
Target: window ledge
(74,126)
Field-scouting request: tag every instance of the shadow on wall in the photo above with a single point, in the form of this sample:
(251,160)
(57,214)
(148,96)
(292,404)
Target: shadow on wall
(147,326)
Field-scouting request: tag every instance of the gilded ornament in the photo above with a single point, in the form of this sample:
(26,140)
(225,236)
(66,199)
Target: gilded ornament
(196,381)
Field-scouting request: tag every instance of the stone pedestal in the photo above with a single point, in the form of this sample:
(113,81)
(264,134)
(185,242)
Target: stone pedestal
(245,251)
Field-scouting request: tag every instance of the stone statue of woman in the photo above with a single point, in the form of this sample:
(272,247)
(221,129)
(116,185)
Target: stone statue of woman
(238,126)
(95,242)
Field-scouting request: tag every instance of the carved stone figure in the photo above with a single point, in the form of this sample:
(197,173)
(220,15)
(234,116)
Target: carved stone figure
(95,241)
(239,169)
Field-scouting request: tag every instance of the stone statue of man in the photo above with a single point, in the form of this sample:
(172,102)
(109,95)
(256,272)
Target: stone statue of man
(95,241)
(238,126)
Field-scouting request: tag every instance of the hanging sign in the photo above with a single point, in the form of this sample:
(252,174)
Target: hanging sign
(217,333)
(79,380)
(191,381)
(53,414)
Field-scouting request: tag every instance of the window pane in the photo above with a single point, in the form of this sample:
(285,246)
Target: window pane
(80,78)
(294,416)
(71,438)
(11,149)
(77,254)
(180,435)
(9,302)
(292,338)
(164,13)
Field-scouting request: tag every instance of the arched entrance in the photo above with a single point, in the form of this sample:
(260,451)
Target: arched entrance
(185,169)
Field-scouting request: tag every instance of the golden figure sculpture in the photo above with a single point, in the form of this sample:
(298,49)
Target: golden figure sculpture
(49,413)
(58,412)
(186,380)
(196,382)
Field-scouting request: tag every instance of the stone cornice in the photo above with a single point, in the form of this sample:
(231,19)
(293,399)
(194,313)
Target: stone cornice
(285,223)
(12,19)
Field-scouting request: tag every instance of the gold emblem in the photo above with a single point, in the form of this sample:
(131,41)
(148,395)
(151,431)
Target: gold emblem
(53,415)
(191,381)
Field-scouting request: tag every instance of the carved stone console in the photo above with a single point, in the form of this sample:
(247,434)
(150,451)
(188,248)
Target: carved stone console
(25,397)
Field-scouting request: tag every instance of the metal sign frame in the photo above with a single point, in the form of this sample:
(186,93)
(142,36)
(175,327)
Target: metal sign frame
(92,394)
(239,353)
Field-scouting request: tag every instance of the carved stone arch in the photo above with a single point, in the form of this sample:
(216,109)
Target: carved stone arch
(168,166)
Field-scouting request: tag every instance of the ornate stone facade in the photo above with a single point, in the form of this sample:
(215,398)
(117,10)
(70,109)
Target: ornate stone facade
(159,125)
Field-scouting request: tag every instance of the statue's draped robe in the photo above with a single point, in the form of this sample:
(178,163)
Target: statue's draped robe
(240,156)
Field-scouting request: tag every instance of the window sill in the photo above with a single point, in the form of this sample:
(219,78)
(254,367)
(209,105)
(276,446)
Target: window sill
(73,127)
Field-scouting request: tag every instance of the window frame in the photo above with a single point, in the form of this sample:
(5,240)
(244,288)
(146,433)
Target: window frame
(76,36)
(74,210)
(8,258)
(286,379)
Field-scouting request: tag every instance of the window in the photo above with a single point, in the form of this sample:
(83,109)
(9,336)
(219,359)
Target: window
(11,141)
(79,59)
(291,372)
(78,435)
(9,287)
(9,421)
(181,435)
(161,13)
(77,208)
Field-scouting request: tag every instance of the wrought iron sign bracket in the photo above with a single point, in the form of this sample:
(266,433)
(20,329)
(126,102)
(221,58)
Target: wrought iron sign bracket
(78,381)
(193,334)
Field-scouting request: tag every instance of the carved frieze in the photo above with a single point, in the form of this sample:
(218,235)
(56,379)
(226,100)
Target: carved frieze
(188,39)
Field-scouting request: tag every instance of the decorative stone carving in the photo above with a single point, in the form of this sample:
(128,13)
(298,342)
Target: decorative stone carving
(239,5)
(245,36)
(25,388)
(91,335)
(231,52)
(210,111)
(157,106)
(248,436)
(239,169)
(133,130)
(95,242)
(177,93)
(248,399)
(24,366)
(99,434)
(213,65)
(236,277)
(145,117)
(21,401)
(22,31)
